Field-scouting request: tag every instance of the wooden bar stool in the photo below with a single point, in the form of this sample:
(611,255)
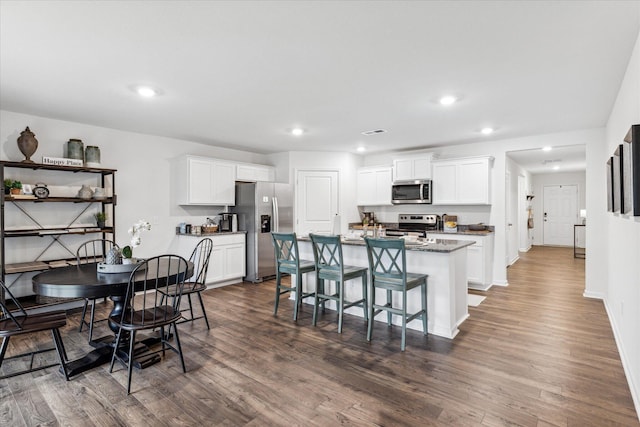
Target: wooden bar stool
(289,262)
(388,265)
(327,252)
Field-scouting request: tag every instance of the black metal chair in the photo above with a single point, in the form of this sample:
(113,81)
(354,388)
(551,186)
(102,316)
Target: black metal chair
(388,266)
(18,322)
(196,284)
(92,251)
(327,252)
(145,310)
(289,262)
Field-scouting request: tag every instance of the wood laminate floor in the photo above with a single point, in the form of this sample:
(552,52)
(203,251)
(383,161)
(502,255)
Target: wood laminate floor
(535,353)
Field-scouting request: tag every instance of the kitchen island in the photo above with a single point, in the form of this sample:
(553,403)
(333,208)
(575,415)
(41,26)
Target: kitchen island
(445,261)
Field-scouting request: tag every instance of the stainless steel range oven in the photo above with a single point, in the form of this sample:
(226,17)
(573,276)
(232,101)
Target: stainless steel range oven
(415,224)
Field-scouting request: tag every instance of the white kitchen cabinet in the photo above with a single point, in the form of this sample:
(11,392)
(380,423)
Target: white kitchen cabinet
(228,258)
(374,186)
(462,181)
(479,258)
(410,168)
(255,173)
(205,181)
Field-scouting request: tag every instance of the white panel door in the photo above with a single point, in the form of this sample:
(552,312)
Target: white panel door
(560,212)
(316,201)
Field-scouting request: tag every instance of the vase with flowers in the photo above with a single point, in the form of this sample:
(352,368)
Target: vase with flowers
(134,232)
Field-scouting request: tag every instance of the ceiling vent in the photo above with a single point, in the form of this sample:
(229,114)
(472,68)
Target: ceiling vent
(546,162)
(373,132)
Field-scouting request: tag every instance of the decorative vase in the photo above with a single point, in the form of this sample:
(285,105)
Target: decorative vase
(114,256)
(92,156)
(85,192)
(75,149)
(101,224)
(28,144)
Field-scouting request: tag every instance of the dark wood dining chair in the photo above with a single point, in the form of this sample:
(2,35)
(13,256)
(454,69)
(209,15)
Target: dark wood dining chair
(197,283)
(388,266)
(90,252)
(288,262)
(327,253)
(146,309)
(18,322)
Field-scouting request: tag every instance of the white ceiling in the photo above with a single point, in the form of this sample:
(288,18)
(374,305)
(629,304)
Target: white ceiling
(567,159)
(241,74)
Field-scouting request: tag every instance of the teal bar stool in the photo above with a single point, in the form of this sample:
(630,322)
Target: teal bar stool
(327,252)
(289,262)
(388,266)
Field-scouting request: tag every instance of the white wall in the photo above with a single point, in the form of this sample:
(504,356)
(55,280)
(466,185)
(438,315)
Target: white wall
(142,181)
(578,179)
(621,237)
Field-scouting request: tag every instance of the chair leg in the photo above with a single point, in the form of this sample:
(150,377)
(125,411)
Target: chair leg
(424,308)
(175,328)
(163,340)
(204,312)
(365,305)
(190,306)
(130,361)
(93,316)
(3,348)
(372,296)
(298,296)
(389,297)
(278,278)
(115,349)
(340,289)
(84,312)
(404,320)
(57,342)
(316,299)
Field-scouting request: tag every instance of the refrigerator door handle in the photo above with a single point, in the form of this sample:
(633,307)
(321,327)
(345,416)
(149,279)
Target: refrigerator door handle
(276,220)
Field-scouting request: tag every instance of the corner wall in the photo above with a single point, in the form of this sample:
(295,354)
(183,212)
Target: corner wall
(622,235)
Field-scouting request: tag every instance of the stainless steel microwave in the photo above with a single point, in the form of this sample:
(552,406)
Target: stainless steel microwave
(409,192)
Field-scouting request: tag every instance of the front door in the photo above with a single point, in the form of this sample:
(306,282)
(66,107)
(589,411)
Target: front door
(316,200)
(560,212)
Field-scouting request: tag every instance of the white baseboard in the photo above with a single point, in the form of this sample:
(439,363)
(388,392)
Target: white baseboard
(634,388)
(500,283)
(479,286)
(594,295)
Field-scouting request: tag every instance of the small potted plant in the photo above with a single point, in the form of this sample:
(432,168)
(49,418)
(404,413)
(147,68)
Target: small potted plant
(101,218)
(12,187)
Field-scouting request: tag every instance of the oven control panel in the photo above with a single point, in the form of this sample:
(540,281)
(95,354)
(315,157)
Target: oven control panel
(430,219)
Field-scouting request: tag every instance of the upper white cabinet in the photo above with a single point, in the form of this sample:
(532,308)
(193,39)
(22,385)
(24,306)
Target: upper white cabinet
(415,167)
(462,181)
(205,181)
(374,186)
(255,173)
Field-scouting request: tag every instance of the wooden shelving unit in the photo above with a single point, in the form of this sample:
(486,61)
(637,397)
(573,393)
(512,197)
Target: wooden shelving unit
(11,272)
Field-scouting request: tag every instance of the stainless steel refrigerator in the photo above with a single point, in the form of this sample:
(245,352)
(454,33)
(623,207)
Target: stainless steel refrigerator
(262,207)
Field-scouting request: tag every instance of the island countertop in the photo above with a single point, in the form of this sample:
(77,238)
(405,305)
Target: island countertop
(424,245)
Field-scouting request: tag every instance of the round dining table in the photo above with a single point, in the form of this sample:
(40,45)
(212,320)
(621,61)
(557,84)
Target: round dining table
(84,281)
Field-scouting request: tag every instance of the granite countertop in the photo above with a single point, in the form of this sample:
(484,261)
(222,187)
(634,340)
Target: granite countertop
(428,245)
(467,232)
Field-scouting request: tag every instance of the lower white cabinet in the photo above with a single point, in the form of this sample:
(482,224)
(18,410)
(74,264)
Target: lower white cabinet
(374,186)
(228,257)
(479,258)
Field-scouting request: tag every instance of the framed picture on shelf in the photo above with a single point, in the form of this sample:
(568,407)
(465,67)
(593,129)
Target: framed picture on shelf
(27,189)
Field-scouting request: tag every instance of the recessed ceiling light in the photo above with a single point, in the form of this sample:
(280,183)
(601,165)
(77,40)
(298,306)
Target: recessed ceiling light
(448,100)
(555,168)
(297,131)
(146,91)
(546,148)
(361,149)
(487,131)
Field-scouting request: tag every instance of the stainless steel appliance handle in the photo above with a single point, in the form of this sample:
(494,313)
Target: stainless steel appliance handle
(276,219)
